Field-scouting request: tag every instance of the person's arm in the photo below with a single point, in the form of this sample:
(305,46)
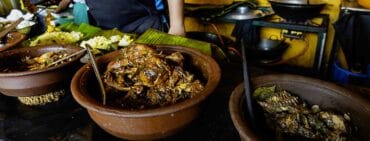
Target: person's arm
(62,5)
(176,11)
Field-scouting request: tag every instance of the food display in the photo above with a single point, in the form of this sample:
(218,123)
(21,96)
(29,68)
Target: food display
(145,78)
(288,114)
(147,84)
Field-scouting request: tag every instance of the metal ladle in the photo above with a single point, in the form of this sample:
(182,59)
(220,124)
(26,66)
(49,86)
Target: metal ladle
(248,91)
(97,74)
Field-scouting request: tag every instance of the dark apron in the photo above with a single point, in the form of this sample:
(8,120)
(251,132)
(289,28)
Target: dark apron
(134,16)
(352,32)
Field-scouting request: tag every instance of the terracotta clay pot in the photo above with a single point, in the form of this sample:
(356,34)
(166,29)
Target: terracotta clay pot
(313,91)
(144,124)
(237,111)
(13,39)
(37,82)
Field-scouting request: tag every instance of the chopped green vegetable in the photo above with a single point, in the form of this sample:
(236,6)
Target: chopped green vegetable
(261,93)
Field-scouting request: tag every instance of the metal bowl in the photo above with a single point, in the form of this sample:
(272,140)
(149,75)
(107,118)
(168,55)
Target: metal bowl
(302,2)
(243,12)
(145,124)
(267,50)
(38,82)
(296,12)
(328,95)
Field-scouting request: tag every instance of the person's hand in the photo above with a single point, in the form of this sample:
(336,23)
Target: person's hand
(177,30)
(62,5)
(176,11)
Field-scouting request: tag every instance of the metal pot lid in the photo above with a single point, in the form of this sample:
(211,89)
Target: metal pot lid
(245,13)
(300,2)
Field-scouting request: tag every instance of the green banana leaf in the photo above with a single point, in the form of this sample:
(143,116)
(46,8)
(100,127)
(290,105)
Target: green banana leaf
(113,32)
(155,37)
(88,30)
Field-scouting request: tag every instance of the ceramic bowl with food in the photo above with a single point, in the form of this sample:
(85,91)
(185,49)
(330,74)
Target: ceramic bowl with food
(16,79)
(328,96)
(147,123)
(12,39)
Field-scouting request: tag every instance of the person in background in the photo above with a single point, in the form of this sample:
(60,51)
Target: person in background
(79,10)
(133,16)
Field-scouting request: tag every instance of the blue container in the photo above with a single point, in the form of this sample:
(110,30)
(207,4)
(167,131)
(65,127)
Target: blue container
(347,77)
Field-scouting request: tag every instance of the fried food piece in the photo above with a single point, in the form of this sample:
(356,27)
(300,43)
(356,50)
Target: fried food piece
(44,60)
(290,115)
(150,79)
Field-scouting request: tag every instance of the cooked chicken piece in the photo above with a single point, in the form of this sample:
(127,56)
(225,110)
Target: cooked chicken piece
(149,78)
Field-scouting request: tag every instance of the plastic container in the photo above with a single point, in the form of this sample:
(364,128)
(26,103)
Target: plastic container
(347,77)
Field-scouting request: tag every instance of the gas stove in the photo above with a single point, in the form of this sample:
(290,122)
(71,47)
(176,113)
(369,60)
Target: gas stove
(297,29)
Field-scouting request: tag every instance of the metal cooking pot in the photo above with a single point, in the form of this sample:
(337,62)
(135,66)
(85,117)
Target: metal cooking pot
(304,2)
(245,12)
(267,50)
(297,10)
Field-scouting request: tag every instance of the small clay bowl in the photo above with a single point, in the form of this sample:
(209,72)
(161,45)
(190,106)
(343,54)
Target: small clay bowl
(146,124)
(325,94)
(37,82)
(12,39)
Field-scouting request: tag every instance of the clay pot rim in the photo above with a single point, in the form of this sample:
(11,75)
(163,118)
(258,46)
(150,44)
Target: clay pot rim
(24,73)
(91,104)
(353,96)
(19,38)
(235,110)
(237,98)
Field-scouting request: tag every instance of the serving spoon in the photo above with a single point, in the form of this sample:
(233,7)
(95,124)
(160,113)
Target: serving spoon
(96,71)
(248,91)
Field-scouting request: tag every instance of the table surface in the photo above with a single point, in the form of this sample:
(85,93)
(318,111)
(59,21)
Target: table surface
(67,121)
